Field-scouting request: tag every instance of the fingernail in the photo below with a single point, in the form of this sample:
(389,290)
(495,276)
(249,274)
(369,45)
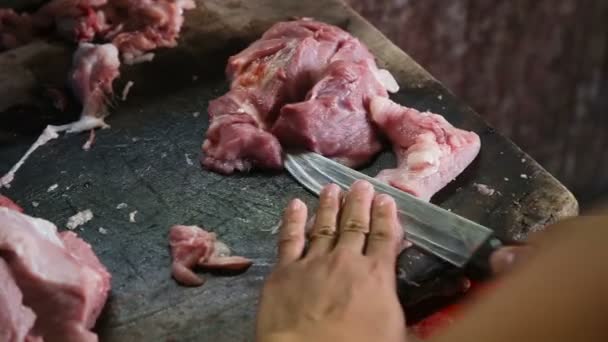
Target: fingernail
(295,204)
(361,185)
(384,200)
(509,258)
(406,244)
(330,190)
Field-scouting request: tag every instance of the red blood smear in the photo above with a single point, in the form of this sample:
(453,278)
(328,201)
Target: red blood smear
(8,203)
(447,316)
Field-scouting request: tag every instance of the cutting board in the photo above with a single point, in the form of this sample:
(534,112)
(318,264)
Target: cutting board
(149,160)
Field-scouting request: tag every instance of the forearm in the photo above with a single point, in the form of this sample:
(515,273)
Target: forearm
(559,295)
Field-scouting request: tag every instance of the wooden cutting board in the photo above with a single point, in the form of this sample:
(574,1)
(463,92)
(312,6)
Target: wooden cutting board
(149,160)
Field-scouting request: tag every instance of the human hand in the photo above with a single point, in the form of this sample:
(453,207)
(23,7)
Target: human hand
(344,287)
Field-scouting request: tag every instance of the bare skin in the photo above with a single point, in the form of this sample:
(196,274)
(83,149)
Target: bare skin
(343,287)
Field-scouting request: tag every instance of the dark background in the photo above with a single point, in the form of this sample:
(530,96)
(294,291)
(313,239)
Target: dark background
(536,70)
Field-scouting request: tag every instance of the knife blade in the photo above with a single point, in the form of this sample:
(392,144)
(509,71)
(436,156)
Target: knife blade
(446,235)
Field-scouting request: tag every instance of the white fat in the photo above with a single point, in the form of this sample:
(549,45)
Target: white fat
(103,231)
(387,80)
(220,249)
(132,216)
(47,135)
(79,219)
(130,59)
(378,105)
(121,206)
(126,89)
(188,160)
(484,189)
(13,218)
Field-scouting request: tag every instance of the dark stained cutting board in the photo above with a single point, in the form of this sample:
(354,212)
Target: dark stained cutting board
(143,161)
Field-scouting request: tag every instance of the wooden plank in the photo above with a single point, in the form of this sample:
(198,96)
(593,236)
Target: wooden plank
(142,161)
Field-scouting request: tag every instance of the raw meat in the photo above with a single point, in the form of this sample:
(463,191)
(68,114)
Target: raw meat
(60,277)
(8,203)
(191,246)
(94,69)
(149,24)
(293,61)
(16,320)
(430,151)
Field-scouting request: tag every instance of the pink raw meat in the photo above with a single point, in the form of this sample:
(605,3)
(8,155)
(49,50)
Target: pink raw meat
(59,275)
(333,119)
(8,203)
(191,246)
(430,151)
(94,69)
(149,25)
(283,67)
(16,320)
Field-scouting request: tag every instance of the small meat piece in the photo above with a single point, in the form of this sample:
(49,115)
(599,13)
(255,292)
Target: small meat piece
(59,275)
(150,25)
(74,20)
(430,151)
(16,320)
(8,203)
(303,60)
(94,69)
(191,246)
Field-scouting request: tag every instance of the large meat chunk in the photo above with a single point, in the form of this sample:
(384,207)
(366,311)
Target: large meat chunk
(430,151)
(16,320)
(333,120)
(60,277)
(303,60)
(191,247)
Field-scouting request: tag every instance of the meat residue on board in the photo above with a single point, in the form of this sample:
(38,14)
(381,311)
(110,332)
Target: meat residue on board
(307,85)
(192,246)
(132,29)
(53,284)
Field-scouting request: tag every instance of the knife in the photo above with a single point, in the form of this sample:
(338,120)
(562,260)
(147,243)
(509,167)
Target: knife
(452,238)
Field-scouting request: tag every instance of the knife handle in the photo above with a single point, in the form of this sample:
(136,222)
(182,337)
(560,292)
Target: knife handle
(479,266)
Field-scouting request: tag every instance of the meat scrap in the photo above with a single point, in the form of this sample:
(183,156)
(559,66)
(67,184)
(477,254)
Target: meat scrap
(8,203)
(192,247)
(325,75)
(430,151)
(59,276)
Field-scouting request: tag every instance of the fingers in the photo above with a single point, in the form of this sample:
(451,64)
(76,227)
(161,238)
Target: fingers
(323,233)
(291,234)
(355,217)
(384,240)
(504,259)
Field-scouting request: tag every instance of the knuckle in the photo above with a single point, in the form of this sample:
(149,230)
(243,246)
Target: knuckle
(289,237)
(325,229)
(382,235)
(355,225)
